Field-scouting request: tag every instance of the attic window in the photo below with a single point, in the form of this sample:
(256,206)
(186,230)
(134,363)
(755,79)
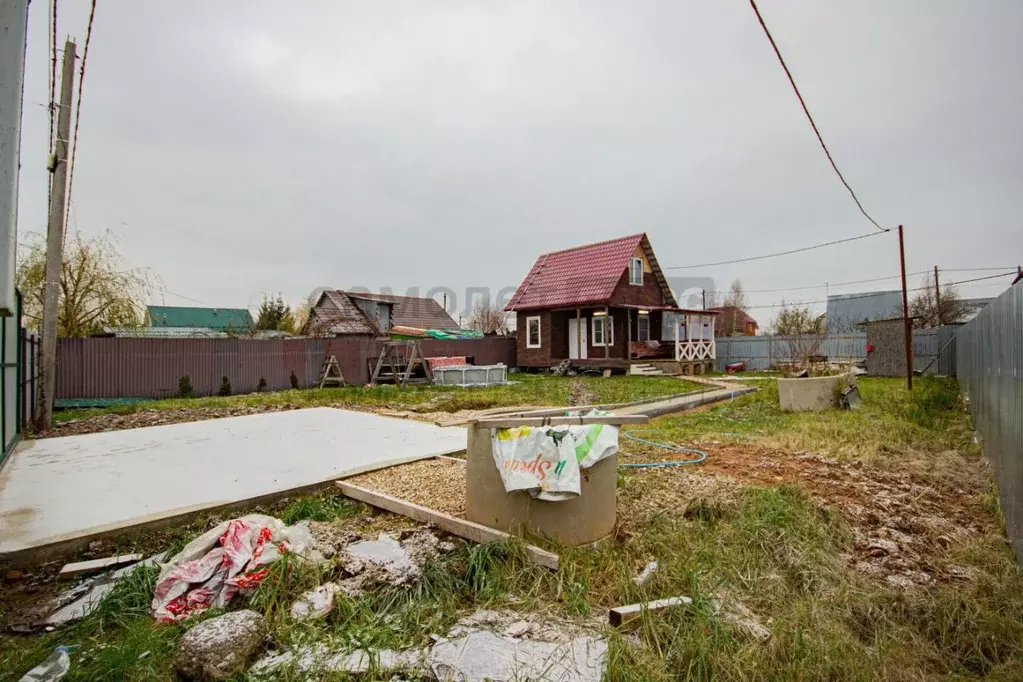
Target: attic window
(636,271)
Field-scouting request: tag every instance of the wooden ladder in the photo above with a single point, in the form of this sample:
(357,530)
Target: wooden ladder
(330,373)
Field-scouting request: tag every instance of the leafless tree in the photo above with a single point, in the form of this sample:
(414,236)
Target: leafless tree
(803,334)
(487,317)
(728,322)
(925,309)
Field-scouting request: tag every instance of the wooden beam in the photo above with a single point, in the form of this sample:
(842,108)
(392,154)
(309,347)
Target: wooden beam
(460,527)
(512,422)
(629,616)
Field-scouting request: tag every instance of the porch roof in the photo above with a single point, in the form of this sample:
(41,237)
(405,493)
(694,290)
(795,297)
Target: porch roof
(666,308)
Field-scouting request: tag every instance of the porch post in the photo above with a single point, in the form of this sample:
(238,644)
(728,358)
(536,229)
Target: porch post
(674,335)
(607,323)
(628,334)
(578,333)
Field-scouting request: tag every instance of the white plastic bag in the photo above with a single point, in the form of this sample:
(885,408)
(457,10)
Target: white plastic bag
(52,669)
(545,461)
(540,460)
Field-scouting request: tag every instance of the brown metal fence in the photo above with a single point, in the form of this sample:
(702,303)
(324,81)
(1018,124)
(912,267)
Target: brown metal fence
(152,368)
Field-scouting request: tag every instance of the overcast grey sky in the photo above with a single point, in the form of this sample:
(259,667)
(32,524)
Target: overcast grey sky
(246,147)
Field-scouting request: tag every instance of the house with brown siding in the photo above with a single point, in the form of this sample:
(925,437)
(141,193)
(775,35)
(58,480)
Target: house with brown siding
(607,305)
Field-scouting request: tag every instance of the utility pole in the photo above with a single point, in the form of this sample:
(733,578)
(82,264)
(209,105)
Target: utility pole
(55,242)
(937,296)
(704,291)
(906,326)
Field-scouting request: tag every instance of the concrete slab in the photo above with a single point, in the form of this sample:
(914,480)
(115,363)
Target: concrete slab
(57,490)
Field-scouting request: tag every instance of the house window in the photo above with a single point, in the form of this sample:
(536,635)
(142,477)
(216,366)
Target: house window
(602,324)
(636,271)
(643,328)
(532,332)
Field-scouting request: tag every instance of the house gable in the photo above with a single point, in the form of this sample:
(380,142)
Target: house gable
(590,275)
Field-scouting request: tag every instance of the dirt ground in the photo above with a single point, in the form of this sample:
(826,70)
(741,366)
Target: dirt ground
(903,522)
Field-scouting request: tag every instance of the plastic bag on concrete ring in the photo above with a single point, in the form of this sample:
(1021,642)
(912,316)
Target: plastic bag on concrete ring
(594,442)
(540,460)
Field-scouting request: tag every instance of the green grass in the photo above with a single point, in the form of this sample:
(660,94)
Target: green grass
(526,389)
(777,550)
(891,422)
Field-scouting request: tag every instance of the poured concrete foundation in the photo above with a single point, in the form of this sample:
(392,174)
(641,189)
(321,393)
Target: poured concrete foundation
(59,491)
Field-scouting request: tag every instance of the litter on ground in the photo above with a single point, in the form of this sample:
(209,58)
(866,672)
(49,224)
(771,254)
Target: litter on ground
(231,557)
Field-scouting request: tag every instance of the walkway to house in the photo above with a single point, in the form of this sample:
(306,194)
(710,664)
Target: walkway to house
(60,491)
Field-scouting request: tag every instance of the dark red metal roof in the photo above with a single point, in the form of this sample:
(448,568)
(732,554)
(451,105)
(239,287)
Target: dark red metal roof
(577,276)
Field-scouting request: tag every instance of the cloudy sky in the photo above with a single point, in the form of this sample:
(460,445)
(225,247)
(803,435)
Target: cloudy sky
(238,148)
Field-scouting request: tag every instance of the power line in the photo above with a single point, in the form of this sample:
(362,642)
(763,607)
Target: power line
(78,112)
(806,110)
(827,285)
(852,297)
(774,255)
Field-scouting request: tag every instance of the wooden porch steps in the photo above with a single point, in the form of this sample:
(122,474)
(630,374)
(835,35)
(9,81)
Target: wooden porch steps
(645,369)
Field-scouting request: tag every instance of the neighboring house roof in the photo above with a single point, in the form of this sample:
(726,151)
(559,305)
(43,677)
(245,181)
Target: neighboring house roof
(582,275)
(339,314)
(730,312)
(210,318)
(412,311)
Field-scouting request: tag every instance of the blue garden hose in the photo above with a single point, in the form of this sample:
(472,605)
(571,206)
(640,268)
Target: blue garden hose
(700,454)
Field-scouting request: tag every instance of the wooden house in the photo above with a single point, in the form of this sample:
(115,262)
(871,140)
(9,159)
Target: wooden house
(352,313)
(608,306)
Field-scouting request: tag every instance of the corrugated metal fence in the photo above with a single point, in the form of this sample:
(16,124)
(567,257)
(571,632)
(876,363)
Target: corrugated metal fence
(760,352)
(152,368)
(990,370)
(19,357)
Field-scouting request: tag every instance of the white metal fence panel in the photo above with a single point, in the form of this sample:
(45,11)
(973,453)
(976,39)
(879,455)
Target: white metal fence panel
(989,362)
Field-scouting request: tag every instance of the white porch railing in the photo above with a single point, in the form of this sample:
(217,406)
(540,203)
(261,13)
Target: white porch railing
(703,347)
(696,349)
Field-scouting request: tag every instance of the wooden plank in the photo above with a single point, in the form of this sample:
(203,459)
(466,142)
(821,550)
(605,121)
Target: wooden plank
(512,422)
(630,615)
(460,527)
(99,564)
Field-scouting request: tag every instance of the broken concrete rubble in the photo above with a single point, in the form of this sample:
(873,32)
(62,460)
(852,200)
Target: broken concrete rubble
(315,603)
(494,645)
(388,561)
(220,647)
(320,658)
(483,655)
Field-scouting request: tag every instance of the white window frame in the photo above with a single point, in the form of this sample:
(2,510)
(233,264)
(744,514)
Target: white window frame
(639,328)
(636,266)
(593,330)
(539,334)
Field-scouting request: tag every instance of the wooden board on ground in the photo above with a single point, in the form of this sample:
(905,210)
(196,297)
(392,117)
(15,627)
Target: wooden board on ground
(630,615)
(460,527)
(100,564)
